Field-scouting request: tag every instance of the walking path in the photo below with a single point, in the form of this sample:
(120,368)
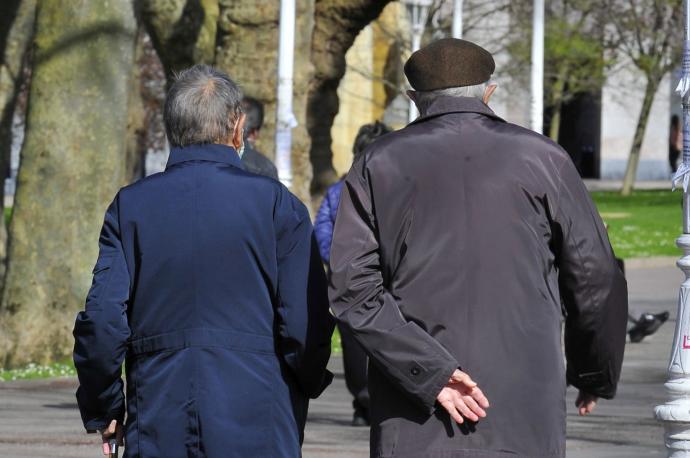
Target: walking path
(39,418)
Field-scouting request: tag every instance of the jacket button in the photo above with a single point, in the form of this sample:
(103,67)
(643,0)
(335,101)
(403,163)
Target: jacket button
(415,371)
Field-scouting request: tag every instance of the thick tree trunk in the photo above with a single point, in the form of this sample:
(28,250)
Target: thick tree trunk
(135,157)
(183,31)
(16,33)
(72,164)
(337,23)
(248,51)
(240,37)
(634,157)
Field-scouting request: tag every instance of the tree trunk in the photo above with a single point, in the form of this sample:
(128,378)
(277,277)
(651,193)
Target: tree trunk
(135,157)
(634,157)
(555,125)
(557,91)
(72,165)
(183,31)
(15,37)
(248,51)
(337,23)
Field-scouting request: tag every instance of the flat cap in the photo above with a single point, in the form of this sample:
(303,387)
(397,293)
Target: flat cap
(449,62)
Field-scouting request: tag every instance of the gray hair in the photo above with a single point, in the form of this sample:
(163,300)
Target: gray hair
(202,106)
(425,98)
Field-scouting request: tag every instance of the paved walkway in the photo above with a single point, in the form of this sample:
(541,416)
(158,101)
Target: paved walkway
(39,419)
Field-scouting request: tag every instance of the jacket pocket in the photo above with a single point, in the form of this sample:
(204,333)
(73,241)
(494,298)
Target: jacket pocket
(101,277)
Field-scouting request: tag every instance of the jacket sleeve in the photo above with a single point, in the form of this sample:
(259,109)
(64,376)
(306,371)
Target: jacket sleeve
(593,290)
(406,354)
(323,228)
(101,332)
(305,324)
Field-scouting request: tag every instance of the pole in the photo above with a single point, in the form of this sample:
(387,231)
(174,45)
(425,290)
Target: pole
(418,10)
(537,77)
(457,19)
(675,414)
(285,119)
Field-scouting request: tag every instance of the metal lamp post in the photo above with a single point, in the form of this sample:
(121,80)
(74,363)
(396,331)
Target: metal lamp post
(457,19)
(675,414)
(285,119)
(418,11)
(537,77)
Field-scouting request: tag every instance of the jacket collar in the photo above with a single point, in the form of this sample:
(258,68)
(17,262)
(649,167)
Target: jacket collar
(447,104)
(211,152)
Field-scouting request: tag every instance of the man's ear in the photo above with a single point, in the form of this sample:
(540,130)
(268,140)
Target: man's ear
(488,92)
(238,132)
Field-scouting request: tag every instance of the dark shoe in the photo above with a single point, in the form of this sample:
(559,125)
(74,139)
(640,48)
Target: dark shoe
(360,418)
(646,325)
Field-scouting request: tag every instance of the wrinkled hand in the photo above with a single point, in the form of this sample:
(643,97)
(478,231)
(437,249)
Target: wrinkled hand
(461,397)
(113,429)
(585,403)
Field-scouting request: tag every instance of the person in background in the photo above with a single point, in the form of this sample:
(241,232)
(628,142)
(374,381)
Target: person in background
(354,358)
(674,143)
(252,159)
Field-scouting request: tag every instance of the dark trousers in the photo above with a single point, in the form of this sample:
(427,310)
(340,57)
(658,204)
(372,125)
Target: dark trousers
(673,155)
(355,365)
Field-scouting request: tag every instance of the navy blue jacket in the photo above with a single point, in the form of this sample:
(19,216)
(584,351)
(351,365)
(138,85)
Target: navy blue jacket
(209,287)
(325,219)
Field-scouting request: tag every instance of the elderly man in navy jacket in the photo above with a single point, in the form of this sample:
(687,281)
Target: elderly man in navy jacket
(209,287)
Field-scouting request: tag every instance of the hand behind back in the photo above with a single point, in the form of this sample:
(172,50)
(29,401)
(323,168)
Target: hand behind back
(461,397)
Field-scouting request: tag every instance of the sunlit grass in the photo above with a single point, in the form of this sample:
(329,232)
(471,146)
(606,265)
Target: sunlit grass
(645,224)
(335,342)
(36,371)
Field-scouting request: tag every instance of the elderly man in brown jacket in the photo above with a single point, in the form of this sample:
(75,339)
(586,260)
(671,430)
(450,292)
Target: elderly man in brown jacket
(462,246)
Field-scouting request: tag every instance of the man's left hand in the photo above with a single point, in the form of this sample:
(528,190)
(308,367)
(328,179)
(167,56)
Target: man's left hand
(585,403)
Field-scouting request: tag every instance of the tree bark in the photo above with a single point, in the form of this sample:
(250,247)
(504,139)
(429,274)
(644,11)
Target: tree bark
(557,91)
(72,164)
(183,31)
(248,52)
(135,156)
(634,157)
(16,33)
(337,24)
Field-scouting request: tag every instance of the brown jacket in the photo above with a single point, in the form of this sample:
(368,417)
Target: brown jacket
(465,241)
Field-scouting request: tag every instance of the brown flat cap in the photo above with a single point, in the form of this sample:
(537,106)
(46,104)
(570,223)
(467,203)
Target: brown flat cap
(449,62)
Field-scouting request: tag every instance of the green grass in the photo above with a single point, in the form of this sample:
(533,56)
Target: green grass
(336,347)
(645,224)
(36,371)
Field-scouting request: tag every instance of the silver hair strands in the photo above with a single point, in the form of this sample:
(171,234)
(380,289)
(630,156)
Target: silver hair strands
(425,98)
(201,107)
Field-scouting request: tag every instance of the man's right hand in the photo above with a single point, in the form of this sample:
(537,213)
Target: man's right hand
(461,397)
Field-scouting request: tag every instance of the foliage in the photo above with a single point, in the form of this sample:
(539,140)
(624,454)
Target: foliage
(644,224)
(574,58)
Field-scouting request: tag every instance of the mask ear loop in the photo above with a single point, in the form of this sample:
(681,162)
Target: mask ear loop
(240,150)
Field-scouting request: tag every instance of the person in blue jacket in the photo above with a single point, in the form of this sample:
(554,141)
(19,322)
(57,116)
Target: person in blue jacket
(354,358)
(209,287)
